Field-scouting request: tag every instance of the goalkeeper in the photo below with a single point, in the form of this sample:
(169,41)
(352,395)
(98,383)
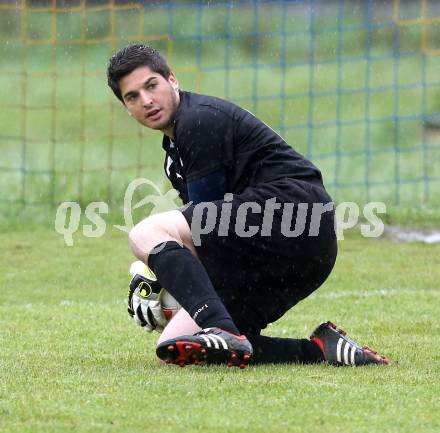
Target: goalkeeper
(248,244)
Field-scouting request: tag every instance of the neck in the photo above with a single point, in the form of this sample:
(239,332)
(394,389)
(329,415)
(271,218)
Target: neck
(169,131)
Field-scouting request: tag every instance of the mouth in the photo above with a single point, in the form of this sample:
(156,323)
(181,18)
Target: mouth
(153,114)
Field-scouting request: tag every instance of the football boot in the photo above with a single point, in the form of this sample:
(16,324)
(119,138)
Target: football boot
(338,349)
(209,346)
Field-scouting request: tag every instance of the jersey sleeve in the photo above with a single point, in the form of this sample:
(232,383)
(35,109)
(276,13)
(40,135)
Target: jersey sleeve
(207,188)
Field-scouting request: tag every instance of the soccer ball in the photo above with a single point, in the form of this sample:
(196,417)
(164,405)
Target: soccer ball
(170,306)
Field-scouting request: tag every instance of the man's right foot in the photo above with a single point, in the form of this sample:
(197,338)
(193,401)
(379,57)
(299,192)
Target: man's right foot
(209,346)
(338,349)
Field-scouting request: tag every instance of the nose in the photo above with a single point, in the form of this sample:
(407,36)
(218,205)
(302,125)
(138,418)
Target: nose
(146,98)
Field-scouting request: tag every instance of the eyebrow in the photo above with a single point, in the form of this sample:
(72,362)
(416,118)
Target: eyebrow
(134,92)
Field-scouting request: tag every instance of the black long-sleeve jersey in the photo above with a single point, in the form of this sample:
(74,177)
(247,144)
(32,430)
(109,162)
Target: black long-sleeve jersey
(212,135)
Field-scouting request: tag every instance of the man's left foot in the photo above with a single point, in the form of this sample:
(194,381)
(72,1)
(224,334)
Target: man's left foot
(338,349)
(209,346)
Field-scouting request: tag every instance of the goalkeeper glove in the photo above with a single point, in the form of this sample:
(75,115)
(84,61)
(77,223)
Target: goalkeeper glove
(144,304)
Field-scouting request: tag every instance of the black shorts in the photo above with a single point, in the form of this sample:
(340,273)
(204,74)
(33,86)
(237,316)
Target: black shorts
(260,277)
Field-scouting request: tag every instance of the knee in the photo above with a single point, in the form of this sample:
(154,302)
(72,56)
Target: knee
(135,236)
(158,228)
(143,237)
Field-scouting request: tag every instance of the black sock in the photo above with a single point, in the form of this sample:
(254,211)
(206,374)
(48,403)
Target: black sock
(284,350)
(182,274)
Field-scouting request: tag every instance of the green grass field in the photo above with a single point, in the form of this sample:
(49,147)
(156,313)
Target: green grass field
(71,359)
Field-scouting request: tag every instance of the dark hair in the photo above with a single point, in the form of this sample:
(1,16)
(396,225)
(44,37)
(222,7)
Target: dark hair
(127,59)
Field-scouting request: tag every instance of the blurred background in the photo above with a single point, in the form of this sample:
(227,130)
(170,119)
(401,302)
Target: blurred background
(352,85)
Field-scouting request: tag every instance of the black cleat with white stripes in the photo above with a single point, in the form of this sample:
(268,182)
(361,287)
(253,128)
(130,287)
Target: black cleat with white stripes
(209,346)
(338,349)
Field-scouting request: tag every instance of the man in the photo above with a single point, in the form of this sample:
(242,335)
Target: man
(256,235)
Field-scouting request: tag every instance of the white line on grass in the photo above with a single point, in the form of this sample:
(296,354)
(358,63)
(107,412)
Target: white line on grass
(332,295)
(373,292)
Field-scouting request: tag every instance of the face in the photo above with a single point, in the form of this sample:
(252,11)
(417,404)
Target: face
(150,98)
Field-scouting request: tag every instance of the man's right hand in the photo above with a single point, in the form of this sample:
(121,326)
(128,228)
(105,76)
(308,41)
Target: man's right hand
(144,305)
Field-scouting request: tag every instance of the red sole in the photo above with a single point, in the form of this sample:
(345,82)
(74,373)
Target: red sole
(185,353)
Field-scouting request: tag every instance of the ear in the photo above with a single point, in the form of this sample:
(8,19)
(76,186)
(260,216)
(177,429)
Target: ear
(172,79)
